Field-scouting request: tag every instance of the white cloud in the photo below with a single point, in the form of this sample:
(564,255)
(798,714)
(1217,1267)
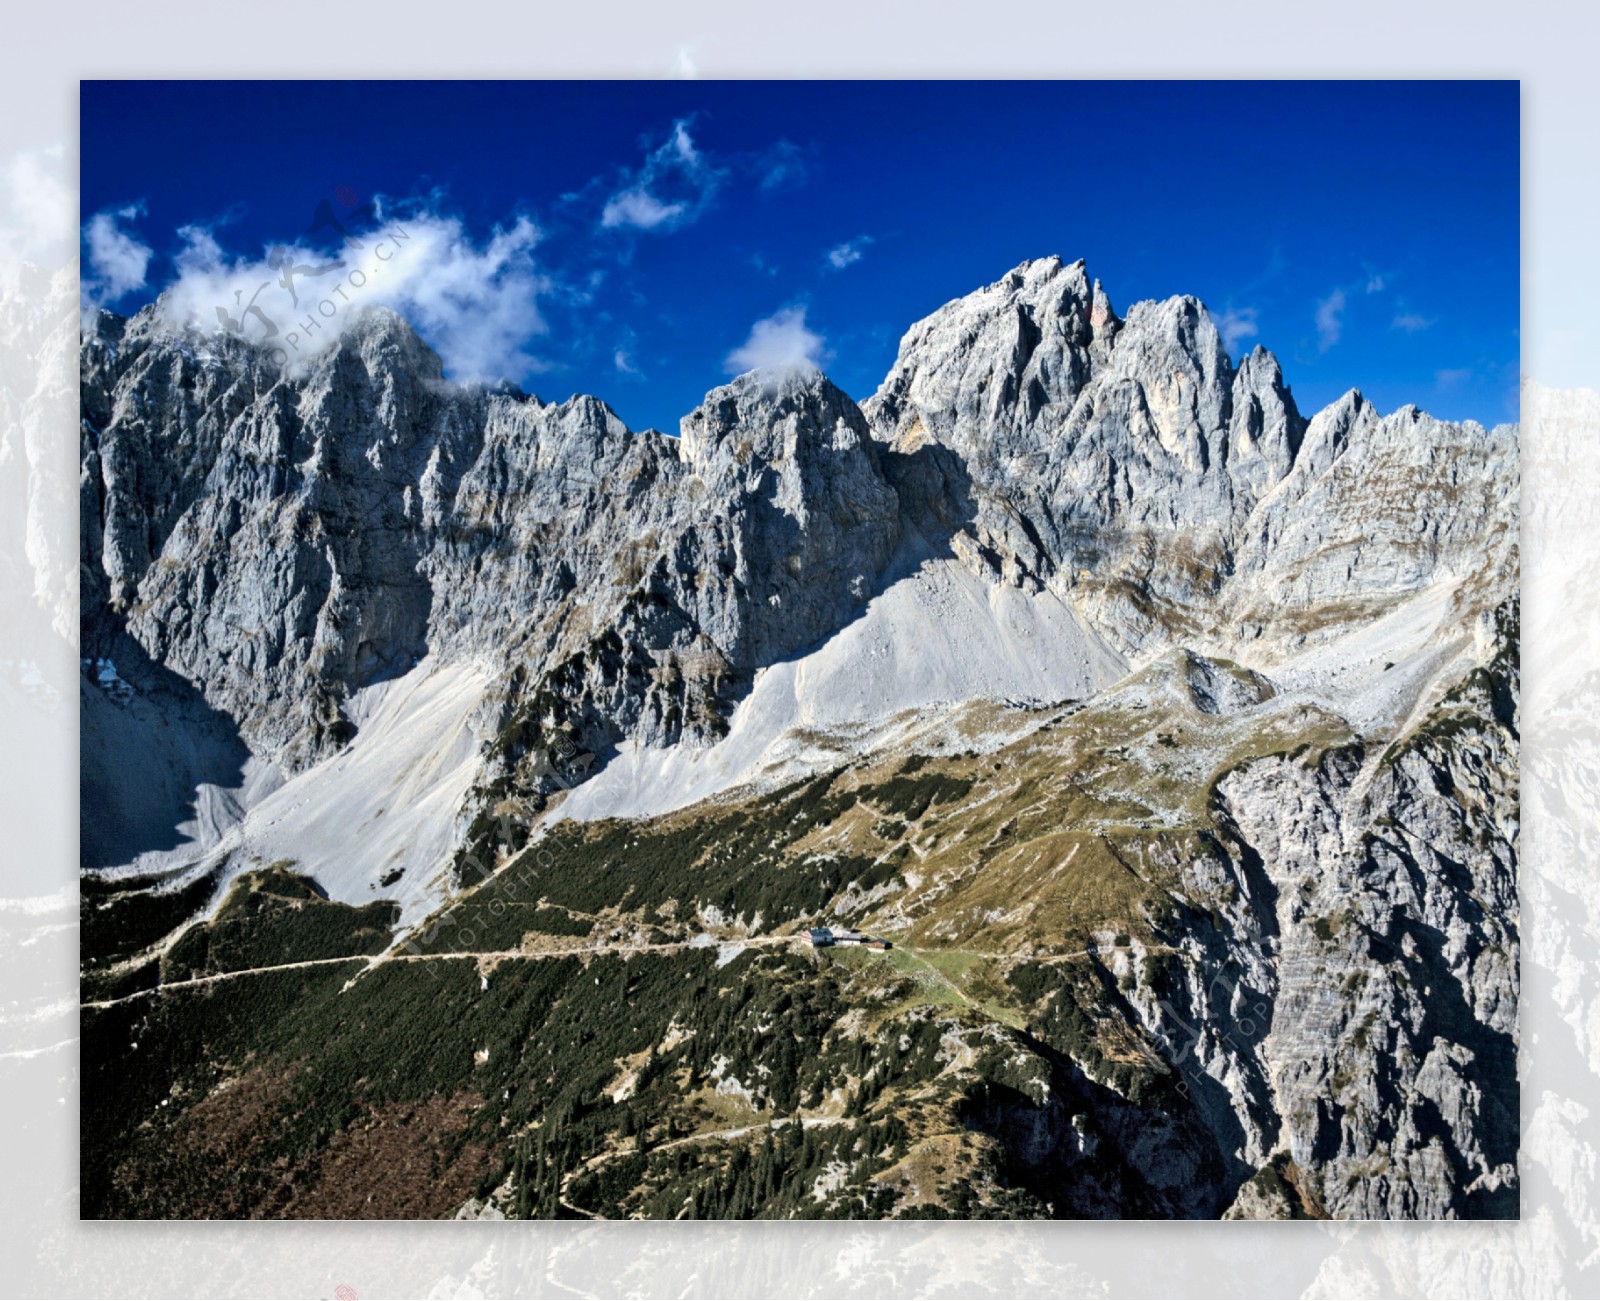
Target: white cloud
(475,303)
(1451,378)
(1375,282)
(780,342)
(1235,325)
(639,208)
(1410,322)
(38,208)
(672,189)
(623,362)
(849,253)
(117,262)
(1330,320)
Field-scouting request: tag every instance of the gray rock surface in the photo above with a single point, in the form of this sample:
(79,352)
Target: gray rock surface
(281,543)
(1130,463)
(1394,936)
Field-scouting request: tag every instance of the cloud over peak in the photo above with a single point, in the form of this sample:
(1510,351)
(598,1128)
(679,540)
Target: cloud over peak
(1235,325)
(38,202)
(476,303)
(781,342)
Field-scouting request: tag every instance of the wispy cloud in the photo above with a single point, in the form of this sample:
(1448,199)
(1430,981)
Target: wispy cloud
(847,254)
(640,208)
(1274,269)
(780,342)
(783,166)
(673,187)
(1235,325)
(1330,310)
(1452,378)
(623,361)
(476,303)
(1330,320)
(762,265)
(1410,322)
(116,262)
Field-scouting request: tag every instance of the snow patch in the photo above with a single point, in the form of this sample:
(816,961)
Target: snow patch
(387,803)
(382,809)
(937,638)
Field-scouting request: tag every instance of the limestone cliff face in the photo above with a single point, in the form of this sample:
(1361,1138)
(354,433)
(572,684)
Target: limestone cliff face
(276,543)
(1385,893)
(1174,494)
(281,543)
(1107,454)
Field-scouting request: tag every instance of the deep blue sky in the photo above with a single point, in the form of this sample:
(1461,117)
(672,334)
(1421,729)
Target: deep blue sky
(1368,230)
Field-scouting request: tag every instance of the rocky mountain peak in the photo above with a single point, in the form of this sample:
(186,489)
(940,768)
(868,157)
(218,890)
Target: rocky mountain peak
(788,462)
(1265,427)
(771,415)
(990,362)
(1173,352)
(1105,324)
(384,343)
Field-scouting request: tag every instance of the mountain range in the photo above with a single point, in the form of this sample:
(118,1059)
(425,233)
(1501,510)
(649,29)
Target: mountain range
(1170,736)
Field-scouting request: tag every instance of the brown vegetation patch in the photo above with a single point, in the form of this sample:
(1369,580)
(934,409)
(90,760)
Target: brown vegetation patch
(224,1158)
(403,1161)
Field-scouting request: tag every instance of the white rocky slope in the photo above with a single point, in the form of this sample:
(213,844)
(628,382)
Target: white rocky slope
(936,638)
(378,620)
